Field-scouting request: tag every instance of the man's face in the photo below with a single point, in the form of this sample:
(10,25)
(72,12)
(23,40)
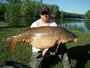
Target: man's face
(45,16)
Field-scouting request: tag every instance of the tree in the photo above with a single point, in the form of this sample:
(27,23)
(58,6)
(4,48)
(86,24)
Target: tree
(87,14)
(2,9)
(15,1)
(41,1)
(54,9)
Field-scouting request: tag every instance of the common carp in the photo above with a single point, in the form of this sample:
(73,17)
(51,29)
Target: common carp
(43,37)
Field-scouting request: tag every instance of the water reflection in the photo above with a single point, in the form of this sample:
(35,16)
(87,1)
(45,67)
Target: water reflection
(80,25)
(71,24)
(76,26)
(87,24)
(20,21)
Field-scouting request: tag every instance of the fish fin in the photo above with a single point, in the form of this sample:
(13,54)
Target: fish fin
(44,51)
(58,42)
(11,47)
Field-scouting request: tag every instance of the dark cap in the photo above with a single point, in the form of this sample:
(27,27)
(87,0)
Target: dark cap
(44,8)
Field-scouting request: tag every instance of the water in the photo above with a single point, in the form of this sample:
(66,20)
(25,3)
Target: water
(80,25)
(71,24)
(76,25)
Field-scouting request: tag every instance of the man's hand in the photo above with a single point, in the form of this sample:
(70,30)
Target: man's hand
(26,41)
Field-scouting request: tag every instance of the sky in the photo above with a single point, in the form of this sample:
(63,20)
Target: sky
(72,6)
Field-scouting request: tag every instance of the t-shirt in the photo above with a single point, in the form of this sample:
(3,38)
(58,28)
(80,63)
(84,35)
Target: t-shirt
(39,23)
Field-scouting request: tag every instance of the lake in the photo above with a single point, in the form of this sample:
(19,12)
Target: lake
(75,24)
(71,24)
(82,25)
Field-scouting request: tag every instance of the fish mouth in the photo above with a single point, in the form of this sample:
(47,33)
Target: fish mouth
(76,39)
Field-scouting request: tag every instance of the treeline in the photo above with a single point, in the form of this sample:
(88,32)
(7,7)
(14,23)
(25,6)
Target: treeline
(31,8)
(87,15)
(71,15)
(26,8)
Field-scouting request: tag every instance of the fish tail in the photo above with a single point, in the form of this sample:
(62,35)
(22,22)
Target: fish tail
(12,44)
(11,47)
(14,40)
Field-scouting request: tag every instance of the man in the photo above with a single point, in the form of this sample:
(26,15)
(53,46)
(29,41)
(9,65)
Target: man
(37,59)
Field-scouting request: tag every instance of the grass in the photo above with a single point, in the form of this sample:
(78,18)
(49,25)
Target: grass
(79,52)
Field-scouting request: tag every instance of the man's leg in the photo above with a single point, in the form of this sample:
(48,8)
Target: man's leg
(63,55)
(36,60)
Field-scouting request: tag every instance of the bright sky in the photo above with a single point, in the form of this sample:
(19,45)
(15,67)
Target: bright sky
(73,6)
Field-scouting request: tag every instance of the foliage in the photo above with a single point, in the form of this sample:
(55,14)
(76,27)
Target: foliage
(30,9)
(2,9)
(87,14)
(71,15)
(13,9)
(87,24)
(54,11)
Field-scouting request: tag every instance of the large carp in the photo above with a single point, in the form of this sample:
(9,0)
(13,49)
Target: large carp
(43,37)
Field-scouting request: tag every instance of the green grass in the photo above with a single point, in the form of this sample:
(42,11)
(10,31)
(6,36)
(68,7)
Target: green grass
(22,51)
(79,52)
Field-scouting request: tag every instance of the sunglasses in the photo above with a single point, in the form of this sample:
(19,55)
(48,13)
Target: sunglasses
(45,12)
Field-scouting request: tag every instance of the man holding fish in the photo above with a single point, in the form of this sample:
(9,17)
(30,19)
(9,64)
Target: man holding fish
(37,58)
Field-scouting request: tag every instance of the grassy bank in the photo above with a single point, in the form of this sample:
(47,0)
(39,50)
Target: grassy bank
(79,52)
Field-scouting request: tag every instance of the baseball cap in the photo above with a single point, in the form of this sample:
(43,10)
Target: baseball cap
(44,9)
